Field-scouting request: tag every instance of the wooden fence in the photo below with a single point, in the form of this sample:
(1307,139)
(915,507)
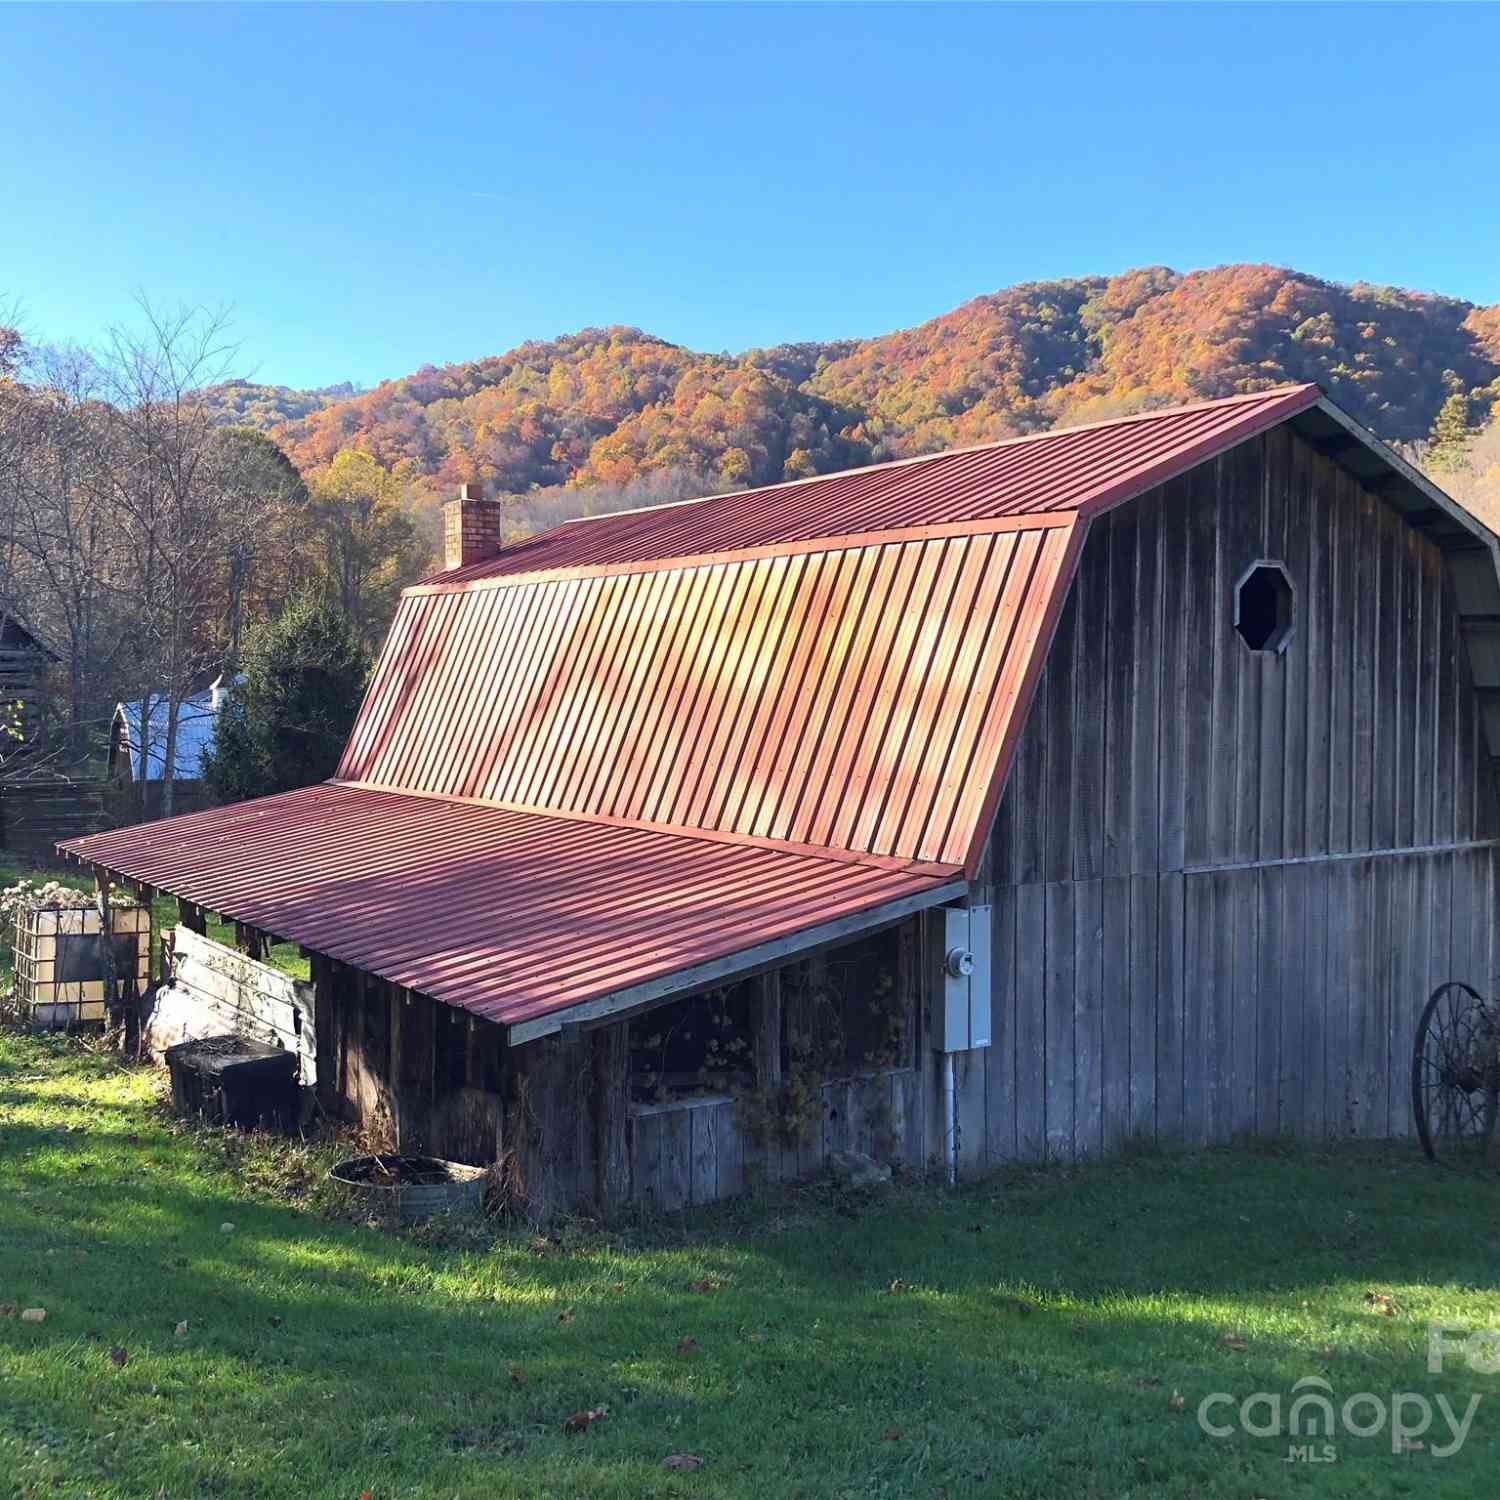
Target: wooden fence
(36,815)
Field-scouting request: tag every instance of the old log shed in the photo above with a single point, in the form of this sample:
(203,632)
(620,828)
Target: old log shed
(1128,781)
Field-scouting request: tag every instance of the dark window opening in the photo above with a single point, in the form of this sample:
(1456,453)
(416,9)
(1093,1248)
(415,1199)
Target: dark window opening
(850,1010)
(698,1045)
(846,1011)
(1263,607)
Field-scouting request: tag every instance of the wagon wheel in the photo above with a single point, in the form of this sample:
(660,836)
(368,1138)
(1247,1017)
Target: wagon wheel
(1455,1077)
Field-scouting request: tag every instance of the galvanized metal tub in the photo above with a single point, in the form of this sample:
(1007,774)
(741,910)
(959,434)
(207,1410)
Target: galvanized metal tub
(408,1188)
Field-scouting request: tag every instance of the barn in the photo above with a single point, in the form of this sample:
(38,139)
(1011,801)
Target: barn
(1125,782)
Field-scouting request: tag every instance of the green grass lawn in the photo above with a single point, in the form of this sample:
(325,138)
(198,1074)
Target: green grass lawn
(1022,1337)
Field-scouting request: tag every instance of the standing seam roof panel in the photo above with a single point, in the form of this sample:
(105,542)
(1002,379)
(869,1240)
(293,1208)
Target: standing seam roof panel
(705,745)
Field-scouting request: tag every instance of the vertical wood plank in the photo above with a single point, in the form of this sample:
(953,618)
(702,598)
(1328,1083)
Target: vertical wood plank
(1223,765)
(1121,612)
(611,1103)
(1145,991)
(703,1185)
(1369,602)
(1240,978)
(730,1149)
(1317,616)
(1116,995)
(1146,757)
(1031,1020)
(1060,780)
(1087,683)
(1060,1053)
(1311,1084)
(1344,582)
(1271,943)
(1199,662)
(1290,918)
(973,1143)
(645,1167)
(1174,748)
(1088,1029)
(1172,989)
(1390,639)
(1200,927)
(676,1178)
(1000,1056)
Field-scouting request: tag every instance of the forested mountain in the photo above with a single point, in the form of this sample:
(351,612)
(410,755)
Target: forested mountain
(609,406)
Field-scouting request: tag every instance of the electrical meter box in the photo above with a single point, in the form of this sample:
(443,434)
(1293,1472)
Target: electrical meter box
(961,1008)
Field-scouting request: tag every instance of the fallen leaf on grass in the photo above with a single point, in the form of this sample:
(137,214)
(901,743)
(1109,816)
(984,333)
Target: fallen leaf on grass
(1148,1382)
(687,1463)
(567,1315)
(181,1330)
(581,1421)
(1176,1402)
(892,1434)
(118,1357)
(896,1286)
(707,1284)
(617,1287)
(1230,1341)
(7,1309)
(757,1338)
(1383,1303)
(34,1315)
(517,1376)
(686,1344)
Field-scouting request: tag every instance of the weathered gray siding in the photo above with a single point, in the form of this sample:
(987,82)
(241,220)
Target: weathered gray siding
(1224,881)
(1158,742)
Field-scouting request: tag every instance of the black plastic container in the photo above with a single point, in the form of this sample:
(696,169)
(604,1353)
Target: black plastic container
(235,1080)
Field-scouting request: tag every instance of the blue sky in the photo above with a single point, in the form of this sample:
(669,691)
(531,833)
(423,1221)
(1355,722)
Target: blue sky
(372,188)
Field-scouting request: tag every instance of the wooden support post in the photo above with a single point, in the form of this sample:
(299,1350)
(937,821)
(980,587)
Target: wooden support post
(909,983)
(107,943)
(611,1062)
(192,917)
(765,1022)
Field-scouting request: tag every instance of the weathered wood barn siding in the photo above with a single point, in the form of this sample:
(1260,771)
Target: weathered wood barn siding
(424,1077)
(1225,881)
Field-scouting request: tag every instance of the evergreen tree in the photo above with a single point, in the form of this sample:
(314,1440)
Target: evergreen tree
(1448,446)
(285,722)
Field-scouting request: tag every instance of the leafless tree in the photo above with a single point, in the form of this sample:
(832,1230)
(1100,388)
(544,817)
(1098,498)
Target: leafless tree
(164,479)
(59,558)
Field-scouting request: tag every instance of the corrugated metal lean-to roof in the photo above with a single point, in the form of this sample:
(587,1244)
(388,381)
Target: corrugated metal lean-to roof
(507,914)
(639,749)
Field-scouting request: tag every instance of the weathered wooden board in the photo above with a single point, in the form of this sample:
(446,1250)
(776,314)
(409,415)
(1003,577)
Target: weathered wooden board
(218,989)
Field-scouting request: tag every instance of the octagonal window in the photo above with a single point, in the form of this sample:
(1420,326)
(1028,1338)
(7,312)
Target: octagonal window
(1263,607)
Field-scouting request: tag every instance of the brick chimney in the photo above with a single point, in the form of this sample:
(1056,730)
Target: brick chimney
(471,528)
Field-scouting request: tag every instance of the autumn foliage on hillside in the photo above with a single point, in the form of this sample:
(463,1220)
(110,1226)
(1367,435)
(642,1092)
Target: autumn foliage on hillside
(614,406)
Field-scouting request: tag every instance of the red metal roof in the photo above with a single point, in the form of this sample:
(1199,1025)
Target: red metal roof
(648,742)
(507,914)
(854,698)
(1075,470)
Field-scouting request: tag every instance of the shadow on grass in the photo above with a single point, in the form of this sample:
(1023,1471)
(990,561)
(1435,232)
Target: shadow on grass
(1030,1330)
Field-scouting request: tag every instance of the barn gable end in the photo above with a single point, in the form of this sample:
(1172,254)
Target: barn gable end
(1224,881)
